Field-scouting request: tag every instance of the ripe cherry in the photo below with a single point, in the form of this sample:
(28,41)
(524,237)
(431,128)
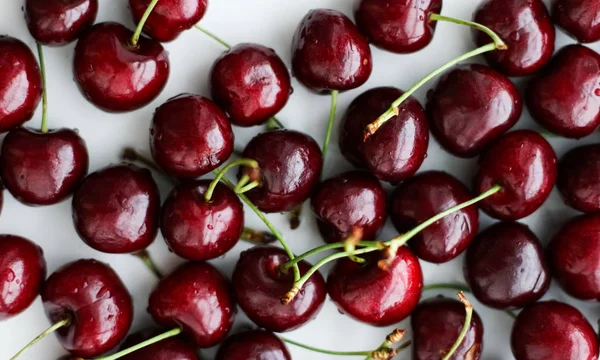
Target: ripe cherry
(174,348)
(168,18)
(578,174)
(253,345)
(578,18)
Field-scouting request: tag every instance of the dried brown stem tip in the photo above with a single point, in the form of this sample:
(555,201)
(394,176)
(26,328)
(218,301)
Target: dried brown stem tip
(383,354)
(257,237)
(463,299)
(395,336)
(287,298)
(129,154)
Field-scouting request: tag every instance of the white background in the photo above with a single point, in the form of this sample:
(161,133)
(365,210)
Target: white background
(271,23)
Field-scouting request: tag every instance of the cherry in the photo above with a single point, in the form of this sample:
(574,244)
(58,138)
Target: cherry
(465,125)
(174,348)
(564,97)
(524,164)
(22,271)
(116,209)
(436,324)
(373,295)
(169,18)
(578,174)
(58,22)
(578,18)
(424,196)
(259,286)
(19,75)
(526,28)
(253,345)
(505,266)
(289,167)
(551,330)
(195,297)
(190,136)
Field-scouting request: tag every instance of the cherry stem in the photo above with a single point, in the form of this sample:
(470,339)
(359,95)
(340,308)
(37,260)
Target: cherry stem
(215,37)
(144,255)
(295,216)
(274,124)
(257,237)
(350,244)
(50,330)
(465,329)
(380,245)
(500,44)
(241,183)
(329,352)
(334,96)
(138,30)
(248,187)
(44,127)
(211,188)
(143,344)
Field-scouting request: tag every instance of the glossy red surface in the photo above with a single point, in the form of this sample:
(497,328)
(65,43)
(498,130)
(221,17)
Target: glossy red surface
(253,345)
(579,178)
(579,18)
(169,18)
(174,348)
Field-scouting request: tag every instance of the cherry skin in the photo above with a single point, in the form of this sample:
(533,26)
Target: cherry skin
(524,164)
(190,136)
(259,286)
(59,22)
(373,295)
(525,27)
(551,330)
(564,98)
(113,74)
(428,194)
(400,26)
(94,298)
(347,202)
(116,209)
(197,298)
(578,174)
(22,271)
(436,324)
(253,345)
(169,18)
(199,230)
(505,266)
(329,53)
(465,125)
(396,151)
(251,83)
(19,75)
(42,168)
(290,164)
(174,348)
(578,18)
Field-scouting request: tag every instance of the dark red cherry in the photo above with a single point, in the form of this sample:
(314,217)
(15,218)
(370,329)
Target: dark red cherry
(259,286)
(22,271)
(20,83)
(564,98)
(401,26)
(196,297)
(524,164)
(289,167)
(505,266)
(525,27)
(465,124)
(551,330)
(92,296)
(579,178)
(428,194)
(329,53)
(174,348)
(42,168)
(116,209)
(169,18)
(251,83)
(115,75)
(253,345)
(380,297)
(58,22)
(578,18)
(190,136)
(436,324)
(199,230)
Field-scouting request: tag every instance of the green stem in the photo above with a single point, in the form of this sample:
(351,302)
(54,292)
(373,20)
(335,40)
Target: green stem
(44,127)
(248,187)
(211,188)
(138,30)
(327,247)
(334,96)
(241,183)
(215,37)
(50,330)
(329,352)
(498,42)
(143,344)
(447,286)
(274,124)
(144,255)
(465,329)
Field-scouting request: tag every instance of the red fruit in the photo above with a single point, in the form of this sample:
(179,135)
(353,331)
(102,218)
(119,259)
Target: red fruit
(169,18)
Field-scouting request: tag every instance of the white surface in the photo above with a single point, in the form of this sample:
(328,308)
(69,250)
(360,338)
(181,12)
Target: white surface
(271,23)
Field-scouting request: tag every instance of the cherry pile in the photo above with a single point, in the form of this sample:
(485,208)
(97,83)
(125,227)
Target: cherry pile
(384,133)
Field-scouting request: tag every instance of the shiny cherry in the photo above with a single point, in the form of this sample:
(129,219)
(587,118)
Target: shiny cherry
(428,194)
(174,348)
(92,296)
(579,178)
(58,22)
(525,27)
(259,286)
(578,18)
(329,53)
(22,271)
(115,75)
(524,164)
(190,136)
(253,345)
(465,124)
(169,18)
(289,167)
(116,209)
(551,330)
(196,297)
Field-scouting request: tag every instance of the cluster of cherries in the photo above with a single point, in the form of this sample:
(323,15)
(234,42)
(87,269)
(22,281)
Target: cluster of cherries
(384,132)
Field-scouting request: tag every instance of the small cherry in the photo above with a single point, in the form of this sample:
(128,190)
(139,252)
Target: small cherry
(465,125)
(22,272)
(523,163)
(551,330)
(174,348)
(59,22)
(169,18)
(578,18)
(253,345)
(579,178)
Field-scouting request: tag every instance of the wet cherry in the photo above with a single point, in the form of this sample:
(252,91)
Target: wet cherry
(578,18)
(174,348)
(578,178)
(169,18)
(253,345)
